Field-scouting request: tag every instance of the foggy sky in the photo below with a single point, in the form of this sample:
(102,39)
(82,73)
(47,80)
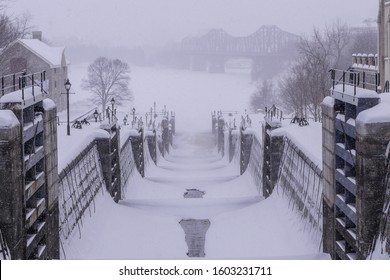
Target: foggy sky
(151,22)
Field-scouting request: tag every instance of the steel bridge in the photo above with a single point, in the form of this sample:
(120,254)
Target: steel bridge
(269,40)
(268,47)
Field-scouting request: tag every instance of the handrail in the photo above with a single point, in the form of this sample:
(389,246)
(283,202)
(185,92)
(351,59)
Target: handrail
(356,79)
(20,81)
(273,112)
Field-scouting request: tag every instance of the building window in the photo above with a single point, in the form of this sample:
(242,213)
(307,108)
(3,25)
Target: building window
(55,84)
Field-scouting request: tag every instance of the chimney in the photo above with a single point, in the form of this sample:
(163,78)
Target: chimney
(37,35)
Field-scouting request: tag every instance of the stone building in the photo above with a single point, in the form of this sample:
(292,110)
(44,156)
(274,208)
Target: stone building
(34,56)
(383,40)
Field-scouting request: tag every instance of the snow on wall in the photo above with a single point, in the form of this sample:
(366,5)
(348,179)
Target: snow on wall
(300,181)
(79,183)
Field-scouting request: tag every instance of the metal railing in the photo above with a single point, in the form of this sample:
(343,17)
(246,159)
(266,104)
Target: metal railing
(273,113)
(21,81)
(357,79)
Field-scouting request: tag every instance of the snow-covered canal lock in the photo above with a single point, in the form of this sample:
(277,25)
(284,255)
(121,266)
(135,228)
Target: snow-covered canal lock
(156,220)
(236,221)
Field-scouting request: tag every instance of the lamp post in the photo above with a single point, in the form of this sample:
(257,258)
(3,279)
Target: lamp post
(133,114)
(68,85)
(112,110)
(96,115)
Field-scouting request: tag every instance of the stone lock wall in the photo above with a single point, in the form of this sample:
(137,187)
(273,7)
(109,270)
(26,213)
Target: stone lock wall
(11,195)
(371,144)
(109,152)
(328,168)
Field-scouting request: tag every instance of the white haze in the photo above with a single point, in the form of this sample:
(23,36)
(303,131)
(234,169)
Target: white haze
(157,22)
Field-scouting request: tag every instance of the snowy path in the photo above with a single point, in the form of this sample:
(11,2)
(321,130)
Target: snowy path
(145,225)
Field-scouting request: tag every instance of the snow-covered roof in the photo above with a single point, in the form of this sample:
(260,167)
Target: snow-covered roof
(52,55)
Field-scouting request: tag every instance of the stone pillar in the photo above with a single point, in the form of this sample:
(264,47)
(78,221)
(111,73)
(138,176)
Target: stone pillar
(137,145)
(12,210)
(109,154)
(221,135)
(273,149)
(152,145)
(328,169)
(172,122)
(387,232)
(51,171)
(371,143)
(277,146)
(382,52)
(165,134)
(213,123)
(232,144)
(245,150)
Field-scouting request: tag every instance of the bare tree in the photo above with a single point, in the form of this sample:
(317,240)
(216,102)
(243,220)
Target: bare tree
(364,40)
(265,95)
(308,82)
(12,28)
(107,79)
(293,91)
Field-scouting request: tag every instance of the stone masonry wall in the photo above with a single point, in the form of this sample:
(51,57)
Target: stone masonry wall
(11,188)
(51,171)
(328,169)
(371,143)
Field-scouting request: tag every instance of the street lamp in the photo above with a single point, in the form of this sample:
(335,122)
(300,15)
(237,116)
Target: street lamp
(133,114)
(112,111)
(96,115)
(68,85)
